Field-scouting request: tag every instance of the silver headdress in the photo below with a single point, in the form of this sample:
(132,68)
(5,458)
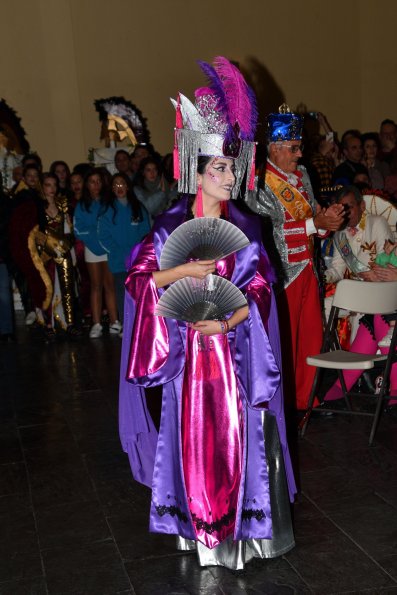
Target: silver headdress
(221,123)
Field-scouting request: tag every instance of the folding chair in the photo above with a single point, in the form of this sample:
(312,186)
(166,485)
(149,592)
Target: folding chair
(368,298)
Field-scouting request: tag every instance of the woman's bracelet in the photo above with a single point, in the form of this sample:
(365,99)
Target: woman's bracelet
(224,327)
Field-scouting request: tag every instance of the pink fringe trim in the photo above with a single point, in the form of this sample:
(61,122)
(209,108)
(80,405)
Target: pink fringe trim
(176,160)
(199,203)
(251,183)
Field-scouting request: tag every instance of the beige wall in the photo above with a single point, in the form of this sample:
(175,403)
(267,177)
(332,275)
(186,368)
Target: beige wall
(57,56)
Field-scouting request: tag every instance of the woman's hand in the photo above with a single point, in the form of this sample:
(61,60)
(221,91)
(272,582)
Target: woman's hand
(207,327)
(213,327)
(197,268)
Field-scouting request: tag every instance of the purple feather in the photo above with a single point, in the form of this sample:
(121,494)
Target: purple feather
(236,100)
(216,85)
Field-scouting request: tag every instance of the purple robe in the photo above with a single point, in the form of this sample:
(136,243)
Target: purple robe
(156,458)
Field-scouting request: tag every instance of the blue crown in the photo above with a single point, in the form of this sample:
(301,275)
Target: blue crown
(284,126)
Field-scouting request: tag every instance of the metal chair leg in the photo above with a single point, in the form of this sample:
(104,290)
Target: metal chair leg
(305,420)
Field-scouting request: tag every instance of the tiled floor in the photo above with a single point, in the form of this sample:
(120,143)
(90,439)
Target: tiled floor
(72,521)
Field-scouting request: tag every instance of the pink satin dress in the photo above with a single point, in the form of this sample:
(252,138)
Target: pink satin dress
(211,432)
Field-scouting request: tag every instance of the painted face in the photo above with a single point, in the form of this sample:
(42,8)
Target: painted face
(150,172)
(94,185)
(122,162)
(355,210)
(119,187)
(370,149)
(32,178)
(286,155)
(49,189)
(218,179)
(76,184)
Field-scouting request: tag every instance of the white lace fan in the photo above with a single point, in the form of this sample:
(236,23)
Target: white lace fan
(191,299)
(202,238)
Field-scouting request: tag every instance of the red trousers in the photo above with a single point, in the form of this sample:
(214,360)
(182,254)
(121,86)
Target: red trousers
(301,332)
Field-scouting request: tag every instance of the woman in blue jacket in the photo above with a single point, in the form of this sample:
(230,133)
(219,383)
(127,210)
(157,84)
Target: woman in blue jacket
(93,203)
(120,227)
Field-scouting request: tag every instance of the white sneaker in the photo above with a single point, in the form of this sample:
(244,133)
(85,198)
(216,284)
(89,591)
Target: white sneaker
(96,331)
(30,318)
(386,341)
(115,328)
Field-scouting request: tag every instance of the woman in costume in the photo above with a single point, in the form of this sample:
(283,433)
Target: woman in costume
(219,466)
(55,246)
(40,241)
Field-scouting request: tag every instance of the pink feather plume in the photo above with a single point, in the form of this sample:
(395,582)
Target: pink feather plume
(241,105)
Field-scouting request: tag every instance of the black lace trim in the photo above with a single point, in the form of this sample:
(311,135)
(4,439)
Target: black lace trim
(173,511)
(368,321)
(253,513)
(216,525)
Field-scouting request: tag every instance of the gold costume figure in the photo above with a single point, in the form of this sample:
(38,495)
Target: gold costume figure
(54,246)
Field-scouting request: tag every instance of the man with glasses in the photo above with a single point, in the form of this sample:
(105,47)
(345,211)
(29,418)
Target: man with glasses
(292,217)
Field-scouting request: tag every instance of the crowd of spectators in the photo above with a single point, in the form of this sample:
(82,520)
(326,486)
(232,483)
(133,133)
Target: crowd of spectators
(86,221)
(66,234)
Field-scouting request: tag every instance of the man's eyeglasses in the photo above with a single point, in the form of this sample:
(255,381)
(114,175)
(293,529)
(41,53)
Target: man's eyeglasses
(294,148)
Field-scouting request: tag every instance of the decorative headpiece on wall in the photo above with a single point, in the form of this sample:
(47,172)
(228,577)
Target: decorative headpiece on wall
(10,126)
(124,118)
(221,123)
(285,125)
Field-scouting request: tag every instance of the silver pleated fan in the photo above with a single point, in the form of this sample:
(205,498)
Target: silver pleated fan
(203,238)
(191,299)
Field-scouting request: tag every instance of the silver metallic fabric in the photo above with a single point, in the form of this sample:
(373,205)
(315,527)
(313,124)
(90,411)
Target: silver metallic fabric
(264,202)
(192,145)
(235,554)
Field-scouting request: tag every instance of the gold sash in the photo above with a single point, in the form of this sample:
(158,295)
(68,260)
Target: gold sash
(291,199)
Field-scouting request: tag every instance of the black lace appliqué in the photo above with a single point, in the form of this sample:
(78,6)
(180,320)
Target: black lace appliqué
(173,511)
(368,321)
(216,525)
(253,513)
